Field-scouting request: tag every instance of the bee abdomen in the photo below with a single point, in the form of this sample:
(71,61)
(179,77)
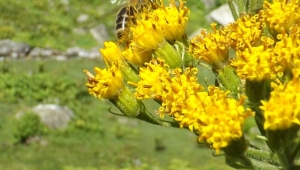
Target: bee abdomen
(125,19)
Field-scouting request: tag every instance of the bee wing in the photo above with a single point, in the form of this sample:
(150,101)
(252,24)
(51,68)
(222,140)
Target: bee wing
(119,2)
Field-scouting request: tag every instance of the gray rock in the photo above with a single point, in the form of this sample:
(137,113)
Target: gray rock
(209,3)
(61,58)
(54,116)
(222,15)
(79,31)
(72,52)
(79,52)
(35,52)
(95,53)
(82,18)
(65,2)
(43,53)
(46,53)
(13,49)
(99,33)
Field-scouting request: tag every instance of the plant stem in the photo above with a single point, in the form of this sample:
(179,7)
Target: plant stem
(261,155)
(232,9)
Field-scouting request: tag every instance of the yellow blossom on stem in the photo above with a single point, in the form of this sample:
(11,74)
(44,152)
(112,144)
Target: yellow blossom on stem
(137,56)
(107,83)
(280,14)
(247,30)
(216,117)
(287,48)
(153,76)
(177,90)
(111,53)
(257,63)
(172,20)
(212,48)
(147,35)
(224,118)
(282,111)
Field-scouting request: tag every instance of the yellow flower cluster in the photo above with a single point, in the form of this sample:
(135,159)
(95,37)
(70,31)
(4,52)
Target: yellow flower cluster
(107,83)
(214,115)
(154,75)
(153,29)
(211,48)
(257,63)
(282,111)
(259,56)
(111,53)
(281,15)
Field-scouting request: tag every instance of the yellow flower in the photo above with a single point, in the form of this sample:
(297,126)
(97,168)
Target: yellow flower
(111,53)
(107,83)
(257,63)
(245,32)
(216,117)
(177,90)
(211,48)
(147,35)
(287,49)
(154,26)
(281,14)
(282,111)
(137,56)
(153,77)
(224,118)
(172,20)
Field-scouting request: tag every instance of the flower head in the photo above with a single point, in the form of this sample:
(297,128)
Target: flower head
(153,77)
(283,110)
(281,14)
(245,32)
(107,83)
(136,55)
(257,63)
(287,48)
(216,117)
(111,53)
(147,35)
(211,48)
(172,20)
(181,85)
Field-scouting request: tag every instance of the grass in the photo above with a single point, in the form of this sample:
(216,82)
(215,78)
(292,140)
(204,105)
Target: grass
(109,142)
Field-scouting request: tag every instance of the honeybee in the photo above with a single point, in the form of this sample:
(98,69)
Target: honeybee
(128,14)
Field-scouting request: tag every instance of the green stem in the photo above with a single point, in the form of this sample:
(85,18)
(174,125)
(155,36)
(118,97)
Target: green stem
(283,159)
(295,153)
(229,80)
(263,156)
(241,6)
(232,9)
(148,117)
(257,91)
(259,165)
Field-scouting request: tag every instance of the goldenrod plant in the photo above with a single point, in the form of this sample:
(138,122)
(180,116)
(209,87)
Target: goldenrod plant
(256,63)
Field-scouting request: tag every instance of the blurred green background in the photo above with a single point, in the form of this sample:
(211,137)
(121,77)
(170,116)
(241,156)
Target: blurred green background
(95,139)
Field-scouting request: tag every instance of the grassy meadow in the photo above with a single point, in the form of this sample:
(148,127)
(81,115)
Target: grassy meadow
(95,139)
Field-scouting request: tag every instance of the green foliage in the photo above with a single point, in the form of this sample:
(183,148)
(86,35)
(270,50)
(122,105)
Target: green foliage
(37,88)
(40,83)
(28,125)
(46,23)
